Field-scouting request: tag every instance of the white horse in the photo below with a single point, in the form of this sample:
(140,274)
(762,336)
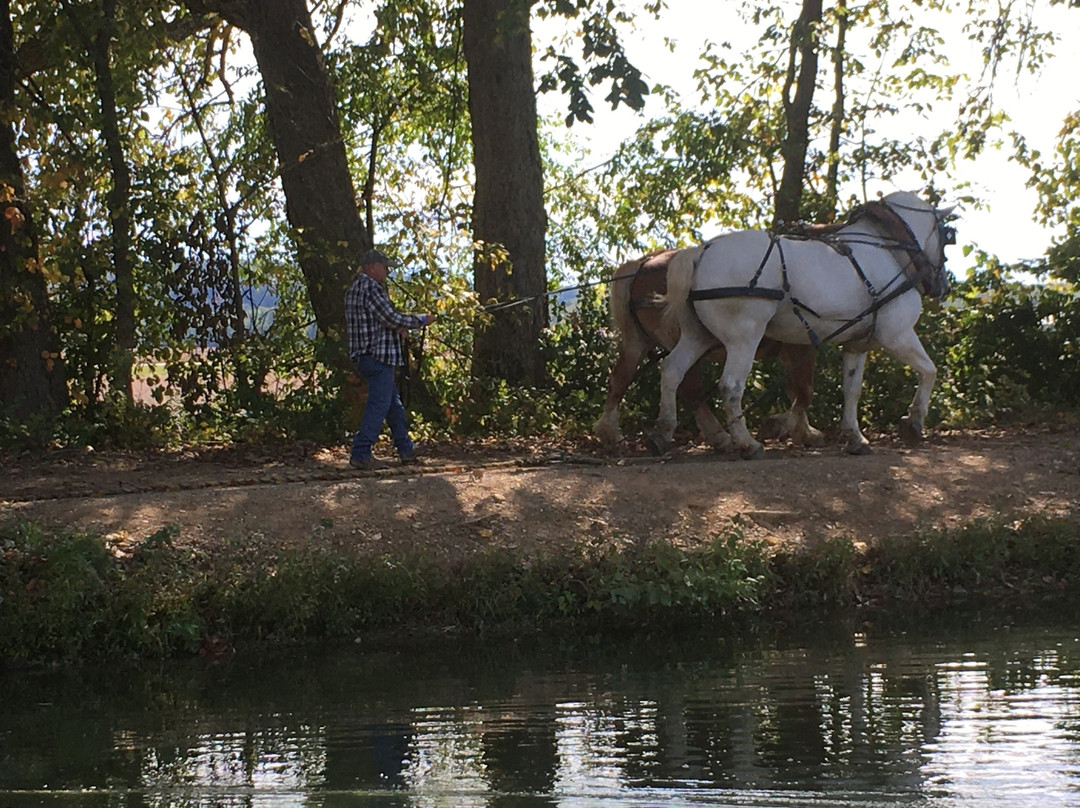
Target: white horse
(859,286)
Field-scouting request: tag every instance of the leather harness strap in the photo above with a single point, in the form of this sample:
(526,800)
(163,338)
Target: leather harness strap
(736,291)
(896,230)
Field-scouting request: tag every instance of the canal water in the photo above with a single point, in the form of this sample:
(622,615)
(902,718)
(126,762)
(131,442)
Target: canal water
(978,713)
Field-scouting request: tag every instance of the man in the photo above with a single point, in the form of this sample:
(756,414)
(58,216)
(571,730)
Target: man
(376,331)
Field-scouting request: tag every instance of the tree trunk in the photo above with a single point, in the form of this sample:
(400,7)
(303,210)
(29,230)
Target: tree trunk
(832,185)
(320,200)
(508,208)
(804,44)
(119,201)
(31,373)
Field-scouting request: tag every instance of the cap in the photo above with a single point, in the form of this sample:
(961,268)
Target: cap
(378,257)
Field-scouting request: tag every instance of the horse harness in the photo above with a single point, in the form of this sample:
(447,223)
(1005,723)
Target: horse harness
(918,272)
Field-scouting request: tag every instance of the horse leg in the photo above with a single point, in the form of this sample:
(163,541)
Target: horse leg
(740,360)
(910,351)
(673,368)
(799,362)
(777,426)
(692,391)
(853,366)
(739,325)
(631,350)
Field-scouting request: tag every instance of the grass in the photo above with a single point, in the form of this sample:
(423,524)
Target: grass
(69,597)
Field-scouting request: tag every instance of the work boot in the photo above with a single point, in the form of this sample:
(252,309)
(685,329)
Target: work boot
(413,456)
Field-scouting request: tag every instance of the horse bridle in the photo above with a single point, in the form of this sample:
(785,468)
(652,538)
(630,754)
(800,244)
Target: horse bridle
(930,275)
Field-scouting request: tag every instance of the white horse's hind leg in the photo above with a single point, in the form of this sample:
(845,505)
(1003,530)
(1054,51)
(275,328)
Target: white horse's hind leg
(673,367)
(692,391)
(853,366)
(739,324)
(911,352)
(740,359)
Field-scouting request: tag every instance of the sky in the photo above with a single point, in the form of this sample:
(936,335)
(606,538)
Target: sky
(1037,106)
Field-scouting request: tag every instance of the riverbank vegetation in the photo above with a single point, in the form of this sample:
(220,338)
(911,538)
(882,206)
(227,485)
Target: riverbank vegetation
(78,597)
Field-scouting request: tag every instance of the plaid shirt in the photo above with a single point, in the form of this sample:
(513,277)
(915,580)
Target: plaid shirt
(372,322)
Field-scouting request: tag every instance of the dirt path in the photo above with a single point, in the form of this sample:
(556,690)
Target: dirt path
(461,502)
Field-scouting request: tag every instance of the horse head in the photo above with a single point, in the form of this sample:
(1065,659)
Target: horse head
(930,232)
(937,285)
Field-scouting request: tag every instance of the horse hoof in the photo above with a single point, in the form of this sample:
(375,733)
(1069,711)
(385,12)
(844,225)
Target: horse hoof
(910,432)
(859,449)
(657,444)
(608,439)
(753,453)
(774,427)
(609,435)
(814,439)
(719,441)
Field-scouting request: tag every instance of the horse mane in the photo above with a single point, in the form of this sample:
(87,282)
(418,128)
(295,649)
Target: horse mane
(875,211)
(919,268)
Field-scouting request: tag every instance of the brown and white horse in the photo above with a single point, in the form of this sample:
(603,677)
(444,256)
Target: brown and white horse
(637,288)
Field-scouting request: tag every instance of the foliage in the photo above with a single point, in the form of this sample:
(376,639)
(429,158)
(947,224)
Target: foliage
(1056,180)
(78,596)
(578,351)
(602,52)
(1039,556)
(1012,348)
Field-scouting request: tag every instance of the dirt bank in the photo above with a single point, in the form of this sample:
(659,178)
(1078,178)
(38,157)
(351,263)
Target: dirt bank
(463,500)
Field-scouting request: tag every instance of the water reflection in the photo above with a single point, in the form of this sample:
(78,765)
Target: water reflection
(989,716)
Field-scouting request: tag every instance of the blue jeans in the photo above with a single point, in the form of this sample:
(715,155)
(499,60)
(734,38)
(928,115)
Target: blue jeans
(383,405)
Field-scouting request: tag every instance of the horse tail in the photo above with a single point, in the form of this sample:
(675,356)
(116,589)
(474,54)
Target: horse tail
(622,318)
(680,275)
